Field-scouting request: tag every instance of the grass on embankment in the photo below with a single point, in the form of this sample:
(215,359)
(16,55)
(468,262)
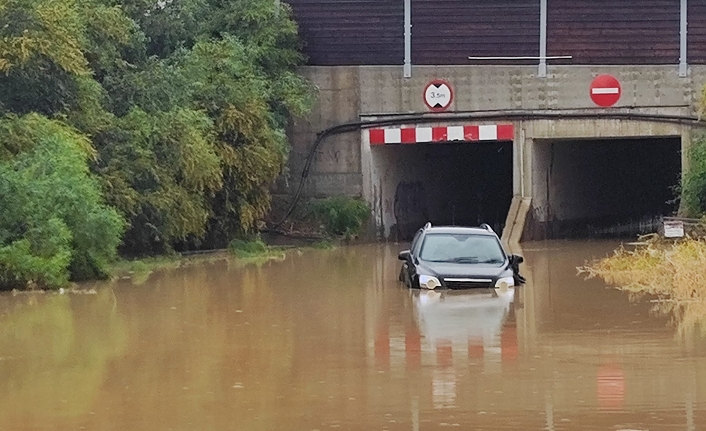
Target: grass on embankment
(244,252)
(670,270)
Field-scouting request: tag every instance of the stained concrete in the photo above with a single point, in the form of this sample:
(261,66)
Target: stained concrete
(345,164)
(485,88)
(583,187)
(446,184)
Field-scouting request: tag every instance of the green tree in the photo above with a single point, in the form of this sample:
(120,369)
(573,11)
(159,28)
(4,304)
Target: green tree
(159,171)
(244,81)
(50,51)
(54,224)
(693,188)
(185,102)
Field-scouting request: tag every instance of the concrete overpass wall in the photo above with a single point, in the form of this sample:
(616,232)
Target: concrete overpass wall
(343,164)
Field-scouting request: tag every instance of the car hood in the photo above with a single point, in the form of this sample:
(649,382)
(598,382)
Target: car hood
(444,269)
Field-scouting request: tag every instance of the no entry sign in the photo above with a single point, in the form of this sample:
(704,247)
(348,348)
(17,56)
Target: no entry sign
(438,95)
(605,91)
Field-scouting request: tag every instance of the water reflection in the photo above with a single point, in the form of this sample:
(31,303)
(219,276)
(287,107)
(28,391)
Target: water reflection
(55,354)
(331,340)
(462,321)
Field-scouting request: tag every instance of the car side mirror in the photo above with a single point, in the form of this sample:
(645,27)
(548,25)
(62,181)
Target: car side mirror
(516,259)
(404,255)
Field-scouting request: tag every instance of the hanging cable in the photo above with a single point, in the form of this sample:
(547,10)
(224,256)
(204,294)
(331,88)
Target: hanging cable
(518,115)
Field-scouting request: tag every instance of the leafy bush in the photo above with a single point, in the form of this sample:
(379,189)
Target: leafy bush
(693,189)
(54,224)
(186,103)
(254,250)
(248,248)
(159,170)
(341,215)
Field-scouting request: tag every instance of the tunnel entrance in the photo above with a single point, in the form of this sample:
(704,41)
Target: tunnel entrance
(603,188)
(459,183)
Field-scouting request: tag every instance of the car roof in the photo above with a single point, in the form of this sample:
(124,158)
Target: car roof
(459,230)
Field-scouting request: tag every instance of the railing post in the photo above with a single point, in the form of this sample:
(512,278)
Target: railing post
(542,73)
(407,38)
(683,65)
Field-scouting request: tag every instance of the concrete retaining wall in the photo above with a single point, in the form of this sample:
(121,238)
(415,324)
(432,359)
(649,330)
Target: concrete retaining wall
(344,166)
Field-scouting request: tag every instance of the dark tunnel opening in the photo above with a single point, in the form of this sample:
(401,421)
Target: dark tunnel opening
(603,188)
(461,184)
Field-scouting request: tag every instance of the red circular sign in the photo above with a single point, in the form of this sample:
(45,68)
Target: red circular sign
(605,91)
(438,95)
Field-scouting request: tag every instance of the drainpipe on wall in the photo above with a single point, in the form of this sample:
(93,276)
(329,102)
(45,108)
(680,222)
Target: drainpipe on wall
(542,73)
(408,38)
(683,65)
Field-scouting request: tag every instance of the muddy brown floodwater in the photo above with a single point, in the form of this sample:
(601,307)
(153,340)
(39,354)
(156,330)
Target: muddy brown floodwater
(328,340)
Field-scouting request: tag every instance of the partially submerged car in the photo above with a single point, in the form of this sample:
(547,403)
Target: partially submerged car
(459,258)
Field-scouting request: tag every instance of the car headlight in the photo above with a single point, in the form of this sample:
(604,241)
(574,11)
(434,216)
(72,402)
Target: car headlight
(428,282)
(505,282)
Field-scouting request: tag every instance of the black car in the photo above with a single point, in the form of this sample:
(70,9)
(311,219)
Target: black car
(459,258)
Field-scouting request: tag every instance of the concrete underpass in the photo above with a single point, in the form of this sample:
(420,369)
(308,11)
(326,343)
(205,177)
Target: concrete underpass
(462,183)
(603,112)
(602,188)
(534,180)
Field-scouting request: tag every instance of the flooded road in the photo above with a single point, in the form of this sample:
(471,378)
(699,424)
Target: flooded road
(329,340)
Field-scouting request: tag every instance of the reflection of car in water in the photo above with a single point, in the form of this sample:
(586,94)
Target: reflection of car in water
(470,322)
(458,258)
(460,316)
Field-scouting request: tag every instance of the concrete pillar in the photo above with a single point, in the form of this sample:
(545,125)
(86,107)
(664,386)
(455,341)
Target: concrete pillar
(527,155)
(522,161)
(366,168)
(522,186)
(517,159)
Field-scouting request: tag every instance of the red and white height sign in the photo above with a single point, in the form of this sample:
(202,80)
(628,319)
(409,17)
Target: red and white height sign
(605,90)
(438,95)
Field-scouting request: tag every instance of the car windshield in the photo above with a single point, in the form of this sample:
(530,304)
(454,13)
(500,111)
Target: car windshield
(461,248)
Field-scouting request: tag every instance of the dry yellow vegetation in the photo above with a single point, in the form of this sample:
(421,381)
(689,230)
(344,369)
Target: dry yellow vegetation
(675,272)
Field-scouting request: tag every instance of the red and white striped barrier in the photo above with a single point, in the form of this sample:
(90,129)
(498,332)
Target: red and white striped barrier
(415,135)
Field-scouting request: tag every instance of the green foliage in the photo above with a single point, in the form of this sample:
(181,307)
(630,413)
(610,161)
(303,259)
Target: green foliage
(693,188)
(248,248)
(49,50)
(219,70)
(54,223)
(253,250)
(43,30)
(323,245)
(181,106)
(341,215)
(159,170)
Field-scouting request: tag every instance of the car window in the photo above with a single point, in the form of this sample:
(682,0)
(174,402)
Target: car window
(415,241)
(462,248)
